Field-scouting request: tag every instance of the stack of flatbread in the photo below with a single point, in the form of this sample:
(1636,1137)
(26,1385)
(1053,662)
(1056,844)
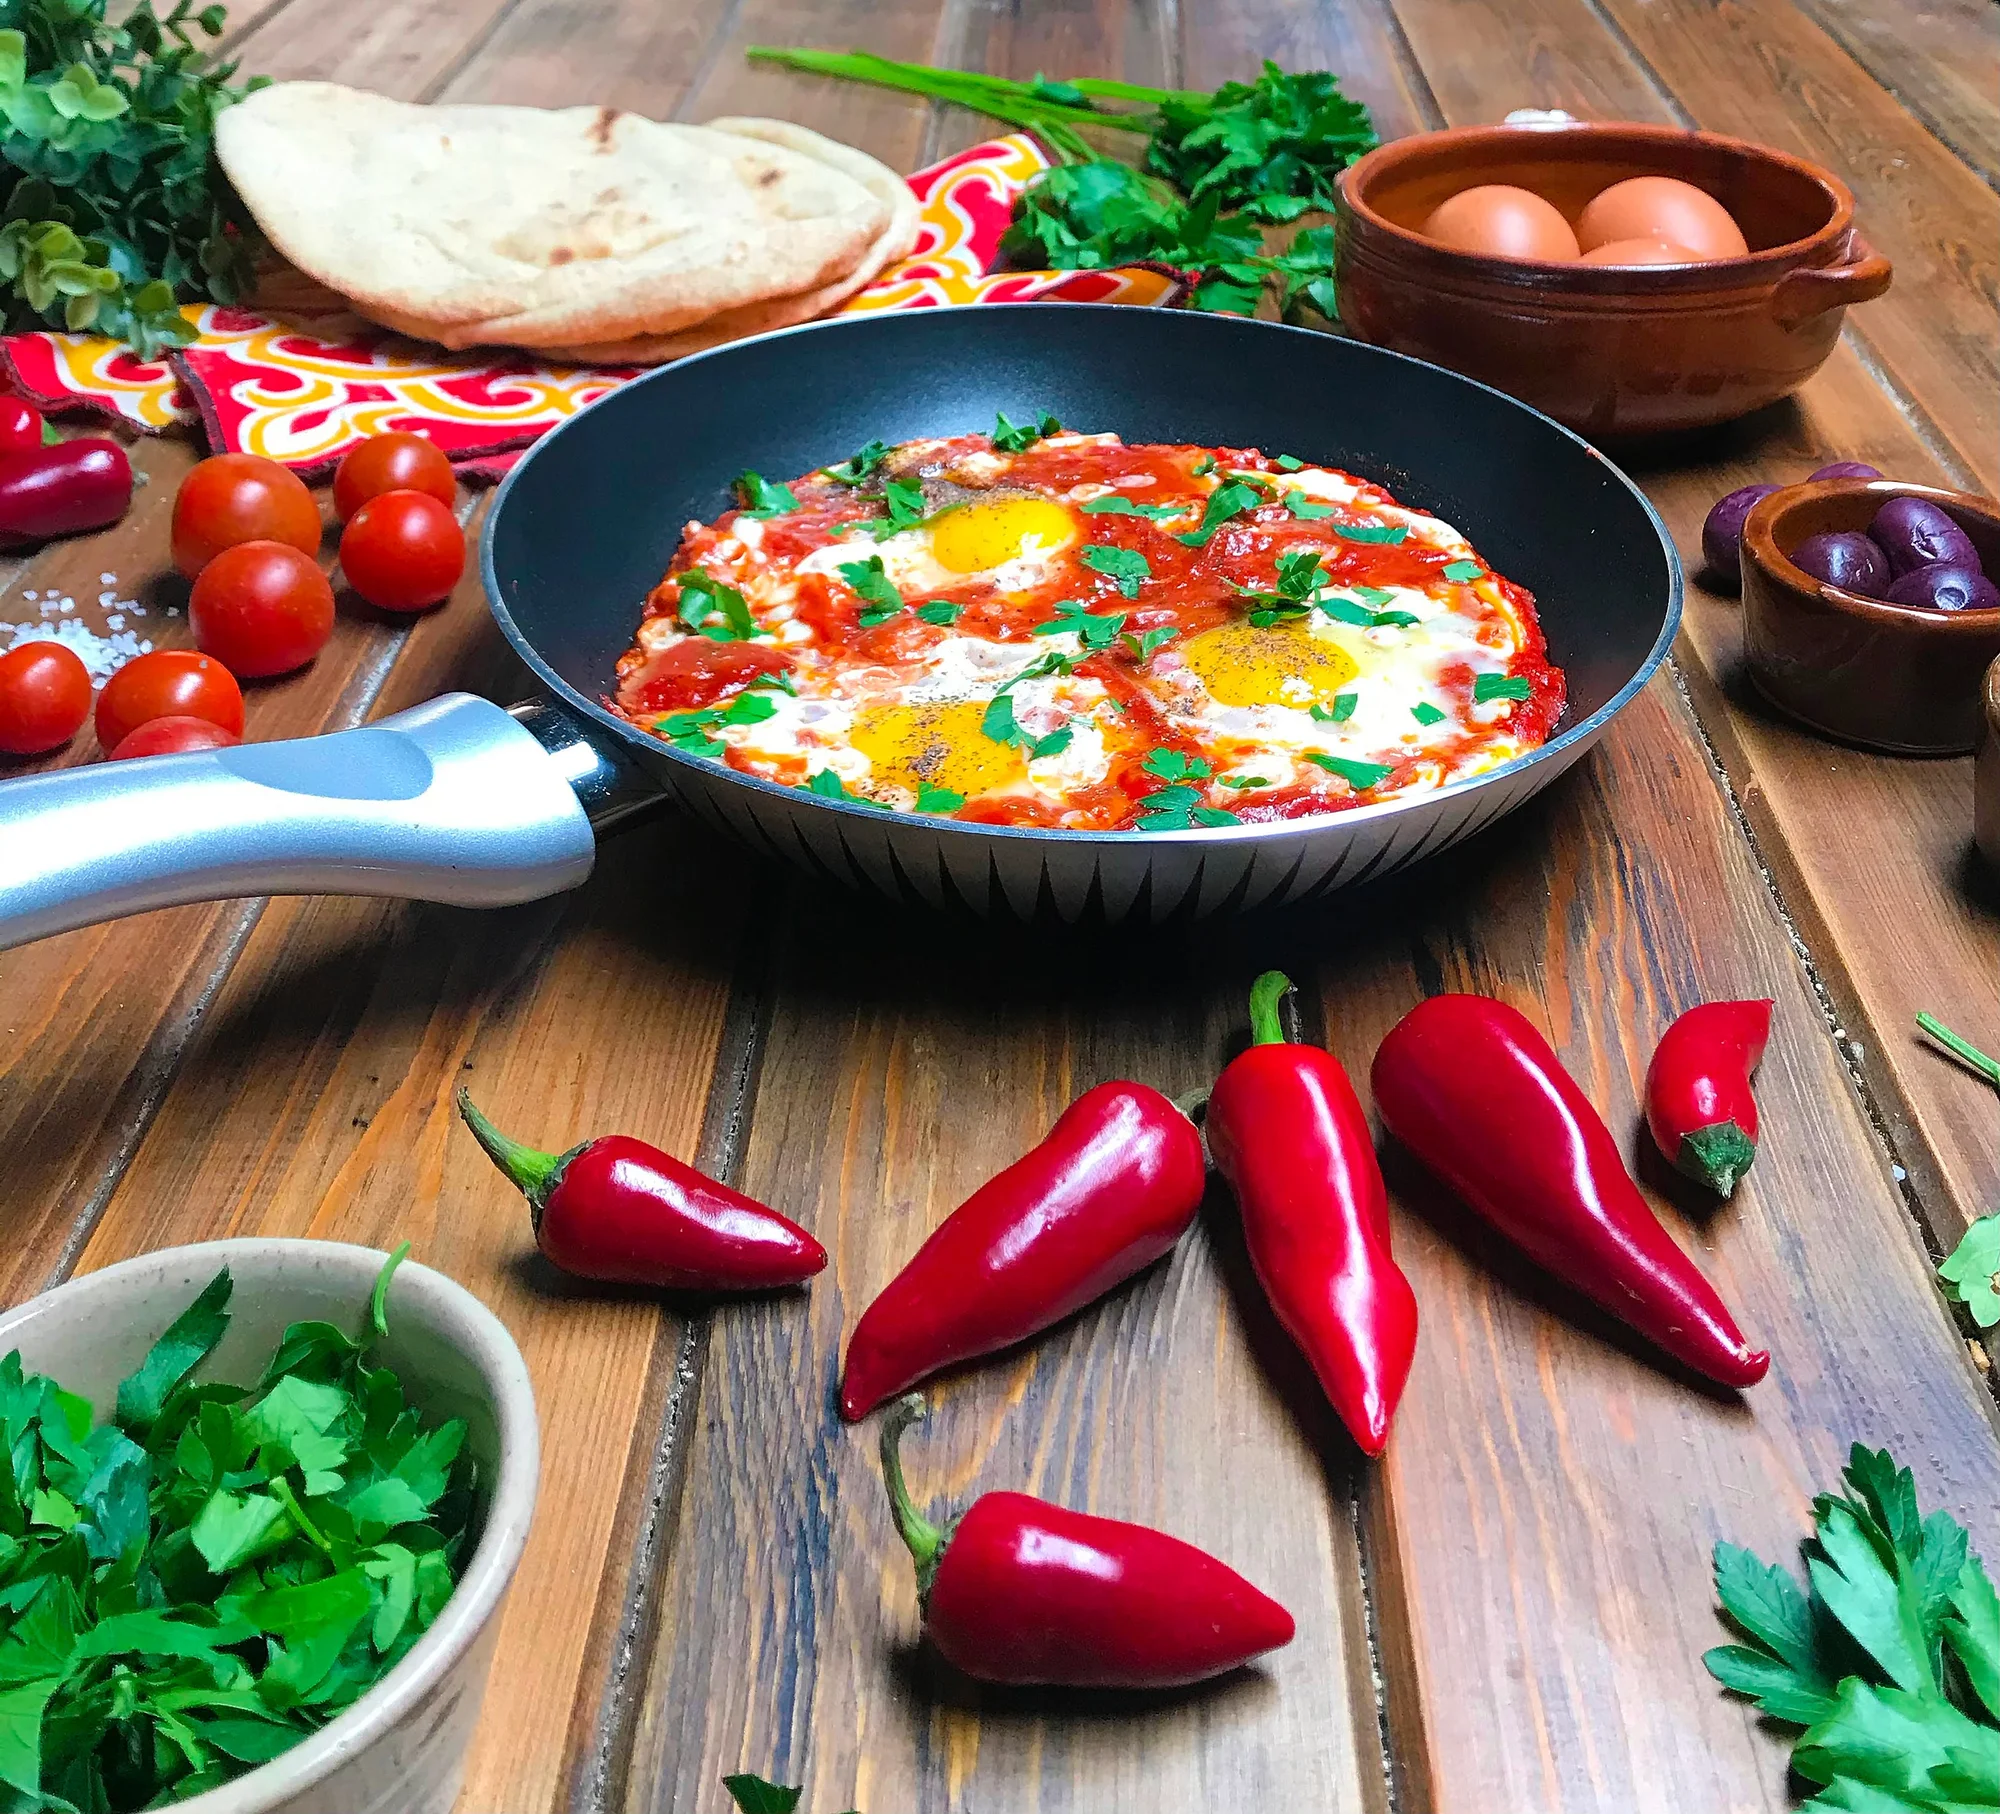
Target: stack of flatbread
(583,233)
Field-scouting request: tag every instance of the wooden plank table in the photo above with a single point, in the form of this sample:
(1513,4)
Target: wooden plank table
(1505,1616)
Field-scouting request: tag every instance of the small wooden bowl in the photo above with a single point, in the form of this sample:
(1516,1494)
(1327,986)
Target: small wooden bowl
(1986,777)
(1892,677)
(1608,352)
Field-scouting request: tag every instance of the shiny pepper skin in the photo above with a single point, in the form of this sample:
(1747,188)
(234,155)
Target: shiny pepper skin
(1699,1103)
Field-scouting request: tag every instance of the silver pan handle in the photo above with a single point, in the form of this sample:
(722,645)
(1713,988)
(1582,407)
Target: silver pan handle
(454,800)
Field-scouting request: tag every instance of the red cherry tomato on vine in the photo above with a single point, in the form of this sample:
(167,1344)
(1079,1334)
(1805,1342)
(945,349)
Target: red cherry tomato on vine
(44,698)
(237,498)
(20,425)
(402,551)
(384,463)
(168,683)
(174,737)
(261,608)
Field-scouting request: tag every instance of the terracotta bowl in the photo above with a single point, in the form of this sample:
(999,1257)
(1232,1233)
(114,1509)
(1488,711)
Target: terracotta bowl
(1986,777)
(1893,677)
(1608,352)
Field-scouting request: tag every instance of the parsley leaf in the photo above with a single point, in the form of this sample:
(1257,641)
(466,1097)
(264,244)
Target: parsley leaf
(1304,508)
(1229,499)
(1179,809)
(904,502)
(1243,781)
(1298,578)
(937,799)
(1460,571)
(863,463)
(1117,505)
(1094,631)
(1018,437)
(868,580)
(1345,611)
(1501,686)
(940,611)
(1360,776)
(703,597)
(1426,713)
(1203,466)
(1261,146)
(1370,532)
(1288,463)
(753,1795)
(1127,566)
(693,731)
(1175,765)
(1971,1272)
(760,498)
(829,786)
(998,720)
(1343,709)
(1146,642)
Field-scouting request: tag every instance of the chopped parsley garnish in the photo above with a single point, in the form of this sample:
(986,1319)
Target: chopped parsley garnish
(1361,776)
(1377,596)
(1342,709)
(1180,809)
(1298,577)
(1426,713)
(940,611)
(1288,463)
(1460,571)
(1093,631)
(1345,610)
(703,598)
(1227,500)
(1125,565)
(1147,642)
(1174,765)
(1018,437)
(692,731)
(999,723)
(937,799)
(1501,686)
(861,464)
(904,502)
(829,786)
(779,679)
(1302,506)
(1203,467)
(869,581)
(1243,781)
(1123,506)
(1370,532)
(760,498)
(1395,620)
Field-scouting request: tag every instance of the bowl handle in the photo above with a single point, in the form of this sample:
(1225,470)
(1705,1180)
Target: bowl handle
(1862,275)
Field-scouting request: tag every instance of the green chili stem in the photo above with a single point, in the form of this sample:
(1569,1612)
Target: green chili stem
(1267,994)
(533,1170)
(1962,1049)
(926,1541)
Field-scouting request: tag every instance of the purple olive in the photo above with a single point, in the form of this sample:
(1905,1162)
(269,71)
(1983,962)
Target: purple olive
(1914,533)
(1946,586)
(1722,534)
(1845,469)
(1847,559)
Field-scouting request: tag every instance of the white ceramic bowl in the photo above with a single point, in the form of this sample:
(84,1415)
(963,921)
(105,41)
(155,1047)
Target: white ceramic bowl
(401,1748)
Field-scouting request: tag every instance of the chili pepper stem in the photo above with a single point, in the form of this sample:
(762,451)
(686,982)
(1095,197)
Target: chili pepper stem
(1962,1049)
(1270,1003)
(535,1172)
(1717,1156)
(925,1539)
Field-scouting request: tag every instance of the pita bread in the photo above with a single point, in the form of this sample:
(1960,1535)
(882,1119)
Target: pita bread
(517,226)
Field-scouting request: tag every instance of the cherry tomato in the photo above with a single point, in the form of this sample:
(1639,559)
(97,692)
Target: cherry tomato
(44,697)
(20,425)
(403,551)
(392,463)
(168,683)
(261,608)
(241,498)
(174,737)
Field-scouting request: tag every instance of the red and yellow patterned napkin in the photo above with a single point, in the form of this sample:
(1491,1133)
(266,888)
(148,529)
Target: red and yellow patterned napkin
(304,383)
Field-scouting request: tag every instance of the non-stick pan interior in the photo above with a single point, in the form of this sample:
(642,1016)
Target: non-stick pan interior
(588,522)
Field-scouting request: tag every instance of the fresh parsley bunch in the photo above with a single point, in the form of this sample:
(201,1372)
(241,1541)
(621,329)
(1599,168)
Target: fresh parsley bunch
(1890,1660)
(193,1587)
(114,211)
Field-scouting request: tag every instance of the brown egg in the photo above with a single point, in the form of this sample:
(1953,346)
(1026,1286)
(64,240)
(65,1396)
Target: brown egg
(1660,207)
(1502,222)
(1641,252)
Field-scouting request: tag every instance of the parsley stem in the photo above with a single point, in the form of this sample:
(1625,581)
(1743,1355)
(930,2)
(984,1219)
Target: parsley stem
(1962,1049)
(926,1541)
(281,1490)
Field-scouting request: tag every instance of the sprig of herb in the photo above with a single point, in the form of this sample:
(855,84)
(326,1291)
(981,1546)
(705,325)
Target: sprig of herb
(870,582)
(1094,631)
(1970,1273)
(1018,437)
(760,498)
(1227,500)
(703,597)
(1917,1725)
(1298,581)
(998,721)
(904,503)
(860,465)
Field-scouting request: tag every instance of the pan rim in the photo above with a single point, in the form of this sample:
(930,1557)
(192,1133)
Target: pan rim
(1558,749)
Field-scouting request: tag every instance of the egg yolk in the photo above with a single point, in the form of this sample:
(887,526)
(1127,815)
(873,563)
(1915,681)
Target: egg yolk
(1244,664)
(989,533)
(936,745)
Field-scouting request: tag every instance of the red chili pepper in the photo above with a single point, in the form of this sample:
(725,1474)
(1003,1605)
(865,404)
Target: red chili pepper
(20,425)
(1289,1134)
(1471,1088)
(1018,1590)
(620,1210)
(1113,1187)
(1698,1100)
(63,489)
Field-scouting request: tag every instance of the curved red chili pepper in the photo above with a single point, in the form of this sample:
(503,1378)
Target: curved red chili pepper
(622,1211)
(1289,1134)
(63,489)
(1470,1087)
(1113,1186)
(1698,1100)
(1018,1590)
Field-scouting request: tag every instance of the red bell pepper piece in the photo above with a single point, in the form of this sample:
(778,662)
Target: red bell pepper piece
(622,1211)
(1018,1590)
(1470,1087)
(1698,1100)
(62,489)
(1113,1187)
(1290,1136)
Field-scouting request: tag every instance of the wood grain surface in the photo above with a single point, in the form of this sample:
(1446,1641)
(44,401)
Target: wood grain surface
(1505,1616)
